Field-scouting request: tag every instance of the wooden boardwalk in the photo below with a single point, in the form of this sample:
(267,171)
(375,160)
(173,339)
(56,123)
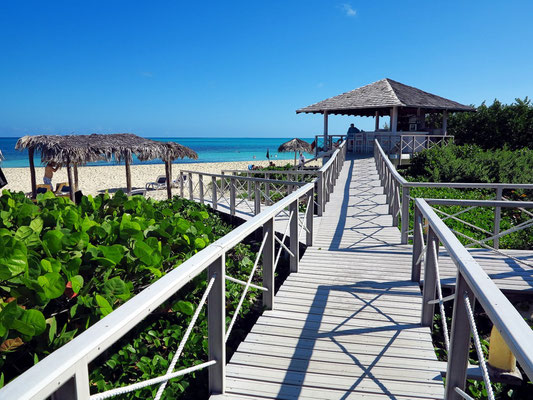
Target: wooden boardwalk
(347,325)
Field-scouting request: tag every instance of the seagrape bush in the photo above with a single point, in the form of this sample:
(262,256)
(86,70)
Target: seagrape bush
(65,266)
(471,163)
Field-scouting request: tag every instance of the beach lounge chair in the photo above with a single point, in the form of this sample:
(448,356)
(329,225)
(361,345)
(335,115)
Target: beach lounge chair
(62,189)
(138,192)
(160,183)
(42,188)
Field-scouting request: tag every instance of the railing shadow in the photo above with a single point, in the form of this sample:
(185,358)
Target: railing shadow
(390,327)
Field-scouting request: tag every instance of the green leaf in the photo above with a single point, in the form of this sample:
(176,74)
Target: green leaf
(116,287)
(185,307)
(52,284)
(105,307)
(199,243)
(37,225)
(113,253)
(35,318)
(23,327)
(128,228)
(50,265)
(77,283)
(71,218)
(52,241)
(13,257)
(53,329)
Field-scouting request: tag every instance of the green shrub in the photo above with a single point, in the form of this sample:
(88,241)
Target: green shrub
(63,267)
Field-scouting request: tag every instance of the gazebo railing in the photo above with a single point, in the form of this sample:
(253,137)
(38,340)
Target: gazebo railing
(64,374)
(472,284)
(398,194)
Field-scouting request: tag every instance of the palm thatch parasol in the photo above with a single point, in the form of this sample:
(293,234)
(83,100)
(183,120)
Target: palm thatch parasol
(74,150)
(295,145)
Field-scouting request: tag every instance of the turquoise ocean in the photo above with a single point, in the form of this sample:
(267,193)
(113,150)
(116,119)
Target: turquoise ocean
(217,149)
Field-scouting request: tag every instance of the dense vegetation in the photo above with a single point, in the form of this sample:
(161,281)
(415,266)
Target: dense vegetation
(64,267)
(471,163)
(493,126)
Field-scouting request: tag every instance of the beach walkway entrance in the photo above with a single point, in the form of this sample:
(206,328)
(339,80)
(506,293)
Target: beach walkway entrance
(347,324)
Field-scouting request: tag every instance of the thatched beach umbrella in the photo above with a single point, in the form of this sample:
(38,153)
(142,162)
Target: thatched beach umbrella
(295,145)
(74,150)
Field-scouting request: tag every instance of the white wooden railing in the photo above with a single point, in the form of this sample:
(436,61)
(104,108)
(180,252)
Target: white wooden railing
(397,192)
(64,374)
(472,284)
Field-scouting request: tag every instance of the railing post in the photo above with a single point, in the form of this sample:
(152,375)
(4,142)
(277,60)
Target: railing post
(216,325)
(459,342)
(191,195)
(214,192)
(257,198)
(320,193)
(497,218)
(76,387)
(267,194)
(418,245)
(249,186)
(268,265)
(405,215)
(182,184)
(232,196)
(430,283)
(309,218)
(201,187)
(295,244)
(395,203)
(222,183)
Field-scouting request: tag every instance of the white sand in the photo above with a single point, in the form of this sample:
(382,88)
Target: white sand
(96,180)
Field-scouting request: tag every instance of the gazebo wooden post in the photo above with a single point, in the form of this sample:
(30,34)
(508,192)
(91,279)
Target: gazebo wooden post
(445,122)
(128,173)
(376,127)
(32,173)
(70,181)
(76,177)
(326,142)
(394,120)
(168,173)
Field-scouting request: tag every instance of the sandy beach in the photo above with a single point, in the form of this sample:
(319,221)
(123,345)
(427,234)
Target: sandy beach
(96,180)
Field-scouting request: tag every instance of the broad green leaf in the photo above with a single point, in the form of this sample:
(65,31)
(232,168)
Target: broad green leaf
(105,307)
(76,239)
(52,241)
(13,257)
(113,253)
(199,243)
(77,283)
(182,225)
(24,232)
(185,307)
(71,218)
(37,225)
(35,318)
(52,284)
(23,327)
(116,287)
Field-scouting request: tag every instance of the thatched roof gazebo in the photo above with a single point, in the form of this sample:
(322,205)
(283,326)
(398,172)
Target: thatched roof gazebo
(75,150)
(295,145)
(387,98)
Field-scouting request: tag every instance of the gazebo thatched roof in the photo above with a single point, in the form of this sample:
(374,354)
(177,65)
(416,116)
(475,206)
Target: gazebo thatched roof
(295,145)
(381,96)
(81,149)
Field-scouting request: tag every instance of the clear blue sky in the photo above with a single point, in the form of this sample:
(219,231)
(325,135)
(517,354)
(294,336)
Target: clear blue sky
(242,68)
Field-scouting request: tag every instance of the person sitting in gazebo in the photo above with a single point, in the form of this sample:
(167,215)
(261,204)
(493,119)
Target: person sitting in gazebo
(49,173)
(352,130)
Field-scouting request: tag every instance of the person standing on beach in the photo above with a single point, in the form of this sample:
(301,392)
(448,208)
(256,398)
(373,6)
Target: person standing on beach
(49,173)
(302,160)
